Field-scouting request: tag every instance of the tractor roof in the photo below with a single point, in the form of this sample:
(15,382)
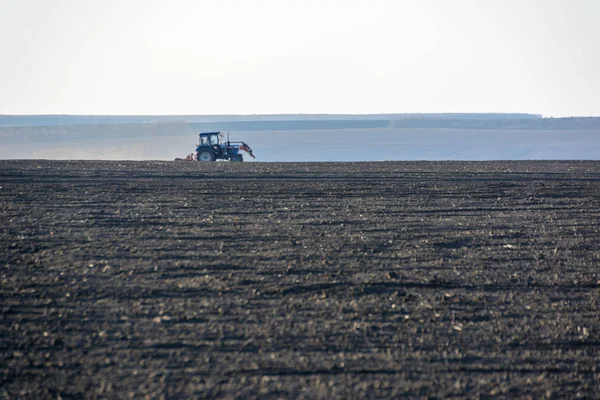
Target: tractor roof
(209,133)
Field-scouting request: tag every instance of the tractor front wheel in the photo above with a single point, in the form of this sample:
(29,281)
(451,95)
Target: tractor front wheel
(206,155)
(237,158)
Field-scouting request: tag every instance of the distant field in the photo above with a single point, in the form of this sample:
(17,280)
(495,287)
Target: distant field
(314,280)
(168,141)
(306,137)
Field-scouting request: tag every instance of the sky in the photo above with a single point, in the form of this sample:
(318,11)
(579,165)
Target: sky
(299,56)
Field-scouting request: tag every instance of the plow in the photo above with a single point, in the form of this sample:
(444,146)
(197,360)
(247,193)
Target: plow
(212,146)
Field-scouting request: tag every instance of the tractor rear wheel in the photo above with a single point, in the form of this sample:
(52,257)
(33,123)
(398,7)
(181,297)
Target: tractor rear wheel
(206,155)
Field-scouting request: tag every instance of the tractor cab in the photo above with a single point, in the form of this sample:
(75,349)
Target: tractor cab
(209,147)
(210,138)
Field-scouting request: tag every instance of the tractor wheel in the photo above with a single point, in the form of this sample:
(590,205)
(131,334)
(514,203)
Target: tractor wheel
(237,158)
(206,155)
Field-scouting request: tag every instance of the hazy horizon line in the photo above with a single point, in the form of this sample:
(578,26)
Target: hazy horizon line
(291,113)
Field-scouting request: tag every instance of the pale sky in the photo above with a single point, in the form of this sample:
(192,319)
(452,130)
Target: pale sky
(299,56)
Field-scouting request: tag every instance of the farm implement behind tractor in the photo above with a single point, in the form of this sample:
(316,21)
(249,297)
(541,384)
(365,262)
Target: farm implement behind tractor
(212,146)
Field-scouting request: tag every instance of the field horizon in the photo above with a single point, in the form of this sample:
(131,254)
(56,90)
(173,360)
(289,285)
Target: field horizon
(295,138)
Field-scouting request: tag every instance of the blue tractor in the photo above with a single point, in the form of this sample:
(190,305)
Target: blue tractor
(212,146)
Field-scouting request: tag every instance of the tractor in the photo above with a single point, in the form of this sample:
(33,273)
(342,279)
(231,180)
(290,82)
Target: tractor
(212,146)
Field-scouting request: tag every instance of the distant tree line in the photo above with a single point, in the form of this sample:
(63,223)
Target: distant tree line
(83,132)
(55,120)
(575,123)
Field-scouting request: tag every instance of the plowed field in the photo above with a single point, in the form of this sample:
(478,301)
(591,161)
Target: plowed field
(324,280)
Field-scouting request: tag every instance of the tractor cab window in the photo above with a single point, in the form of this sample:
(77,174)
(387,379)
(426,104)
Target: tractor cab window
(209,140)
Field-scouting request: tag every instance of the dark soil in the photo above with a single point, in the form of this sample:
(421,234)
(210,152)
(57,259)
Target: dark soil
(345,280)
